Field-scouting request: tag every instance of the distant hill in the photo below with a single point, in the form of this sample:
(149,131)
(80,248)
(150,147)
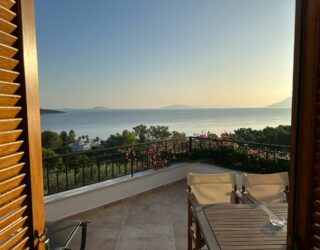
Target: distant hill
(99,108)
(286,103)
(177,107)
(50,111)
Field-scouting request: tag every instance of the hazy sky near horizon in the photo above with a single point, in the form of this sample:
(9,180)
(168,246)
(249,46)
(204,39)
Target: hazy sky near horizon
(153,53)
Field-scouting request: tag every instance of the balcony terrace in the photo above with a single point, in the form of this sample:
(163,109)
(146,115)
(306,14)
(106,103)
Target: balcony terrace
(139,201)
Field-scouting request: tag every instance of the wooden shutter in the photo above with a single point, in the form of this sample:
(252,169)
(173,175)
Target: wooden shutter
(21,188)
(304,198)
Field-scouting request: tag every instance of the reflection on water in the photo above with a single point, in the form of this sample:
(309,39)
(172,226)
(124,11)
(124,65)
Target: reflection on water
(191,121)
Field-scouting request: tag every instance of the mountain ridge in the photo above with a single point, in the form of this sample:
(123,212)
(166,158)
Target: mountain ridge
(286,103)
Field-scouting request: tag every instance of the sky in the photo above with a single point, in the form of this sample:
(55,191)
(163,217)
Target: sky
(154,53)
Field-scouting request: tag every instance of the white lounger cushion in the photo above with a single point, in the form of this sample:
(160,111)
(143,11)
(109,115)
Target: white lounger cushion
(212,188)
(266,188)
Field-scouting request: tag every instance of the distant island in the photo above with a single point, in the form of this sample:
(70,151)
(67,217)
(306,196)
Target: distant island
(286,103)
(50,111)
(196,107)
(98,108)
(177,107)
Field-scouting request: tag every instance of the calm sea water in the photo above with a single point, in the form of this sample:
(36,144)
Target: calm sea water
(191,121)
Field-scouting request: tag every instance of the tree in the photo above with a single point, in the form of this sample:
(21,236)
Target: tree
(141,132)
(64,137)
(159,132)
(55,160)
(51,140)
(126,138)
(278,135)
(72,136)
(177,135)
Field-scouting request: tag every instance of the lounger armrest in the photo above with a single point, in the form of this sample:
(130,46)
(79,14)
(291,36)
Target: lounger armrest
(193,201)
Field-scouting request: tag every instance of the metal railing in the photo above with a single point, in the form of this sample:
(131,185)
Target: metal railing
(79,169)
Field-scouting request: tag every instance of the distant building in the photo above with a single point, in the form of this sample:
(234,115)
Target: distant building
(82,145)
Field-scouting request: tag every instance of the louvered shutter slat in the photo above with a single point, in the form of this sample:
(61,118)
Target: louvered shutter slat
(12,217)
(8,63)
(19,237)
(10,148)
(10,136)
(12,194)
(316,193)
(11,206)
(11,171)
(316,242)
(7,39)
(9,124)
(12,228)
(8,88)
(8,160)
(7,14)
(9,100)
(8,3)
(316,218)
(8,75)
(21,245)
(11,183)
(6,26)
(8,51)
(9,112)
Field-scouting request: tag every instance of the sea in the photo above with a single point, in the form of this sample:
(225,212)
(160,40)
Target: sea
(103,123)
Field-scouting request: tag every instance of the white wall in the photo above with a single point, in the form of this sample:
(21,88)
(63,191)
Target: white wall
(65,204)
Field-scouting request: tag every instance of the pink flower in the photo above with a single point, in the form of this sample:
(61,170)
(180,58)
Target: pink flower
(225,136)
(213,136)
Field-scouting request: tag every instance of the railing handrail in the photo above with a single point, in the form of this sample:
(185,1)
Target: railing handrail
(161,141)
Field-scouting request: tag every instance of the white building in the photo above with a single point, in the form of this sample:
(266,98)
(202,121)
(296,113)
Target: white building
(82,145)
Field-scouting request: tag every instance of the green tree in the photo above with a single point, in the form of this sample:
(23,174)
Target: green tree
(54,159)
(278,135)
(51,140)
(159,132)
(177,135)
(141,132)
(64,137)
(126,138)
(72,136)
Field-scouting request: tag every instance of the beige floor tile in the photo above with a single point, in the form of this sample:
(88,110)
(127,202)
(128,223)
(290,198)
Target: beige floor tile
(161,231)
(156,218)
(181,243)
(180,230)
(160,244)
(134,231)
(138,218)
(132,244)
(109,244)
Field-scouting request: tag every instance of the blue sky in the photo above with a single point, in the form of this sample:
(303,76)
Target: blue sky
(152,53)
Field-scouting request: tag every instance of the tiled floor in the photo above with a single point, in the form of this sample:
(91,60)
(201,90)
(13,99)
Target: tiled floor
(155,220)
